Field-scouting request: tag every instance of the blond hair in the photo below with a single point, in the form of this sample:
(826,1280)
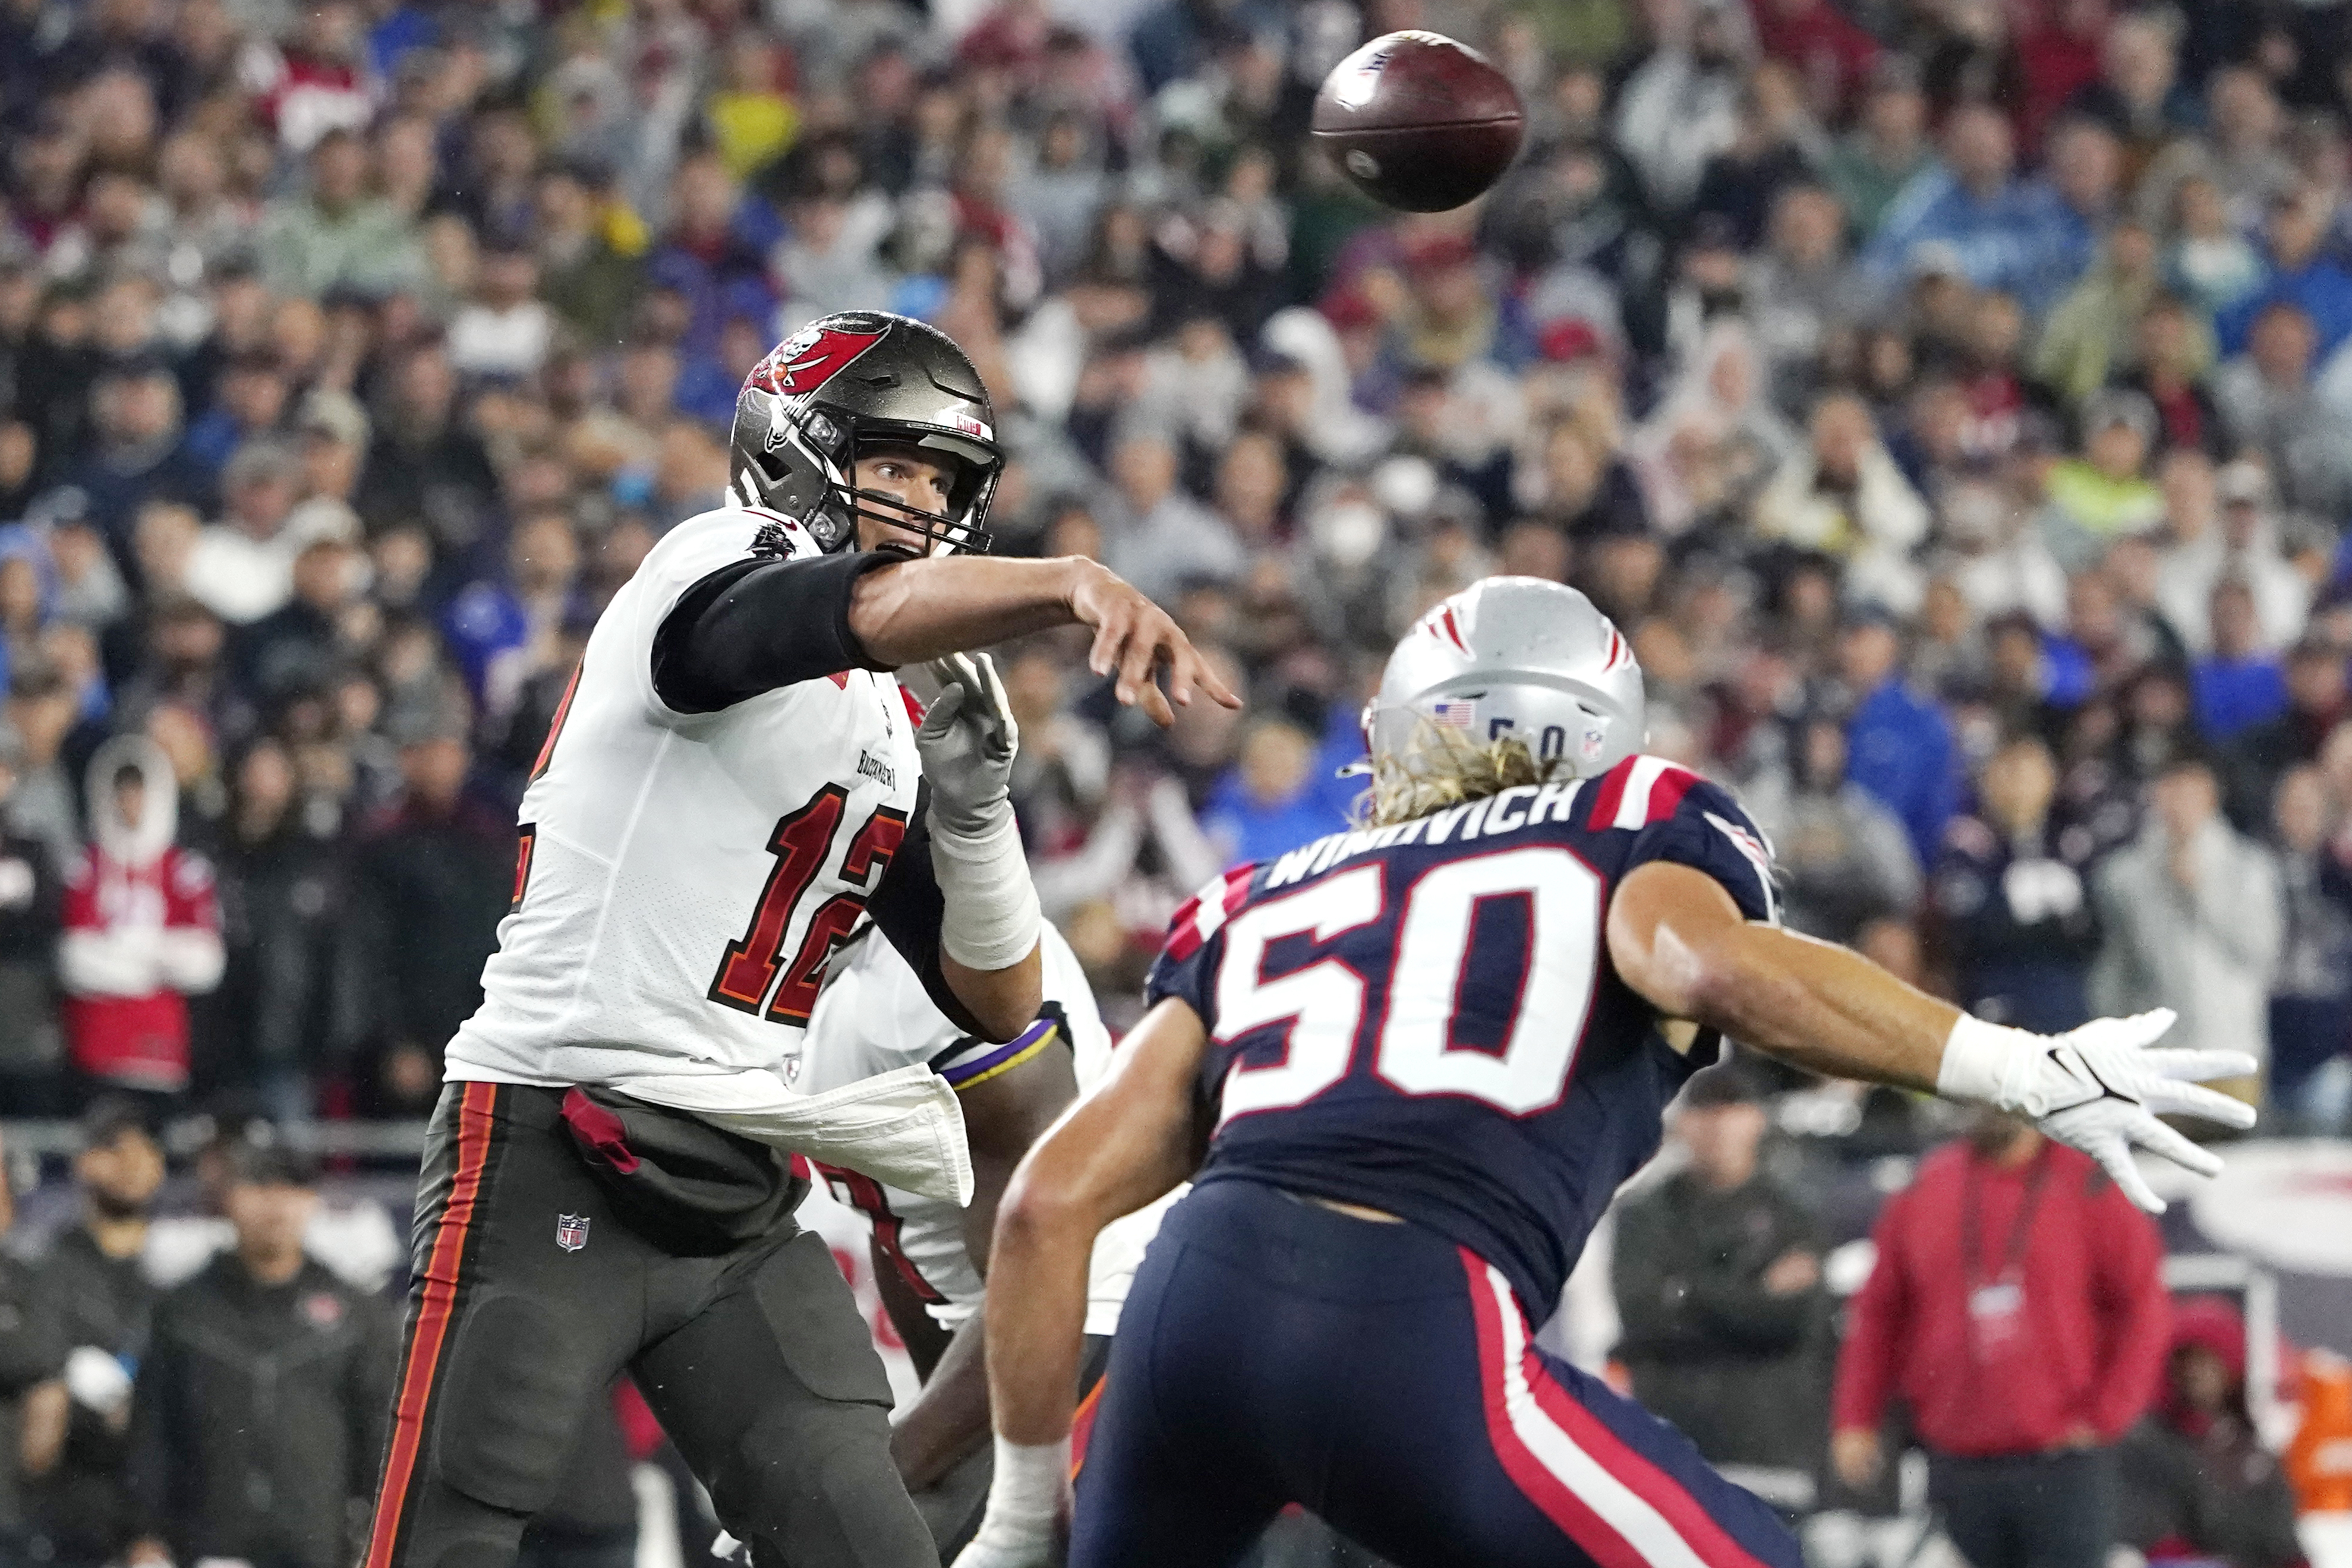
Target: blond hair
(1441,768)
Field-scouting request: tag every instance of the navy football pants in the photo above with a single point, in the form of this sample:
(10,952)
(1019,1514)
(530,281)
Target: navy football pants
(1273,1351)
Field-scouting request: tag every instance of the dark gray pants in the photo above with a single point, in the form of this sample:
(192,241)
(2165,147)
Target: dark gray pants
(2032,1511)
(530,1294)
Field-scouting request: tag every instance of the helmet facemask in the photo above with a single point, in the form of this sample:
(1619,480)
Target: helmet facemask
(805,467)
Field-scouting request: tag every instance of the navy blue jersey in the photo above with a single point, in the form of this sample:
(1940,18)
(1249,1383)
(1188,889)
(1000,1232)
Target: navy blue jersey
(1423,1018)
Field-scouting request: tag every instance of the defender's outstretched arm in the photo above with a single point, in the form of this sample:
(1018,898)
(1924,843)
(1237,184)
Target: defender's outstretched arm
(1676,937)
(1130,1141)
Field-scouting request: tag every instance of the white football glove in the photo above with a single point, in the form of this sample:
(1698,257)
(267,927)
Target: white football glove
(968,740)
(2099,1089)
(1028,1508)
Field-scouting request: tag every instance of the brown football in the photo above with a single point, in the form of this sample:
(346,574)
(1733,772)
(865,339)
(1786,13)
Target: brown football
(1417,121)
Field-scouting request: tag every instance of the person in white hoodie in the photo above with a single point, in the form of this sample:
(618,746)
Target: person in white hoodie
(141,927)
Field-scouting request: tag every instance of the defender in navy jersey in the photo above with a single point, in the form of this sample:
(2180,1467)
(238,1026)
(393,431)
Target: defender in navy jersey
(1420,1059)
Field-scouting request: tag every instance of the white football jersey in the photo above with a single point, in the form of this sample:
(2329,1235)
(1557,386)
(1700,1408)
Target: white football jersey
(875,1016)
(685,877)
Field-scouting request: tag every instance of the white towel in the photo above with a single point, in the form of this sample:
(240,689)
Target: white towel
(904,1127)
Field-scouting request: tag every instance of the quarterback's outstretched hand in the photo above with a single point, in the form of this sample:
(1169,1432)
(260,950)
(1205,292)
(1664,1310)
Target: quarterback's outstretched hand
(1133,638)
(968,740)
(2099,1089)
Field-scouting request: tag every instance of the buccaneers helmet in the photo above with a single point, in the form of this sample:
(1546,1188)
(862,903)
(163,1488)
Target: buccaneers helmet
(846,382)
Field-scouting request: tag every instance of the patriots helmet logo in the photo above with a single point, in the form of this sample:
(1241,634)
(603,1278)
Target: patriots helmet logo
(572,1231)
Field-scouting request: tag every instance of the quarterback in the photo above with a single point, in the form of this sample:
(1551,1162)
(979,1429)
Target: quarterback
(732,783)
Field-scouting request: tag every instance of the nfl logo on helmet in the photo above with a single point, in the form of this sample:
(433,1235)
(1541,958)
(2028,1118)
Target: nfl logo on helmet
(572,1231)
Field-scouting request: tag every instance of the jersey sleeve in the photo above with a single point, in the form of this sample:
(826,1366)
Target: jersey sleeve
(736,602)
(1688,821)
(1187,966)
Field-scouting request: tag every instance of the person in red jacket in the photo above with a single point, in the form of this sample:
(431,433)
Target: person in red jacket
(2018,1306)
(141,927)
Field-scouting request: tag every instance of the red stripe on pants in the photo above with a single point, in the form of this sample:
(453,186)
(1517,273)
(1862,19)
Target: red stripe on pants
(434,1311)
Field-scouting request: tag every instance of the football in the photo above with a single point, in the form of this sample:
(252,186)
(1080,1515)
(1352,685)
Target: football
(1418,123)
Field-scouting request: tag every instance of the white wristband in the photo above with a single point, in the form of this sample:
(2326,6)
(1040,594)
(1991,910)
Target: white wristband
(1027,1487)
(1987,1064)
(992,917)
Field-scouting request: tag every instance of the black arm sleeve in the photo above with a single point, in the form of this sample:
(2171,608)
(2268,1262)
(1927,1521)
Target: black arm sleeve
(757,625)
(908,906)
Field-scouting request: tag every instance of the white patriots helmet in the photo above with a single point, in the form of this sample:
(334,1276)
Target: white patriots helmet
(1515,656)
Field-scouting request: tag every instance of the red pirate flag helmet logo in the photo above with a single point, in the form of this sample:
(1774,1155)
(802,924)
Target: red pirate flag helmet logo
(808,358)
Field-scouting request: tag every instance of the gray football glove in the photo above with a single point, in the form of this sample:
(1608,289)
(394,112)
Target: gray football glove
(968,741)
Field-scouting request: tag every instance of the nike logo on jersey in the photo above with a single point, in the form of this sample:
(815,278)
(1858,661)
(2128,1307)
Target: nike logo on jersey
(874,768)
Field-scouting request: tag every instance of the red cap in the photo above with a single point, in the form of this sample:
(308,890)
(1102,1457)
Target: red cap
(1570,339)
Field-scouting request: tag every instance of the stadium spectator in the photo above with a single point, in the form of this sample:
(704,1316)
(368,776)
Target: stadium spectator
(32,1051)
(335,235)
(1717,1276)
(432,877)
(2217,526)
(2313,984)
(1844,858)
(137,455)
(257,1422)
(1886,148)
(90,1305)
(26,1362)
(2016,1304)
(282,900)
(141,928)
(2138,96)
(2255,762)
(2105,494)
(2239,685)
(1844,497)
(2272,413)
(1900,747)
(2198,1484)
(2301,273)
(1681,106)
(1997,231)
(2011,905)
(2190,915)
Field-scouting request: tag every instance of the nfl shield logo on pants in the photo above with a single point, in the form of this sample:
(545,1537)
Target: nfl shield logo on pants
(572,1231)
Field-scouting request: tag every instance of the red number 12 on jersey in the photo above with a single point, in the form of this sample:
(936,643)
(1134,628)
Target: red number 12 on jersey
(801,843)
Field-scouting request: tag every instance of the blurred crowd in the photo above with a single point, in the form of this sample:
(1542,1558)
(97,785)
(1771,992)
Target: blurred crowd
(1951,397)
